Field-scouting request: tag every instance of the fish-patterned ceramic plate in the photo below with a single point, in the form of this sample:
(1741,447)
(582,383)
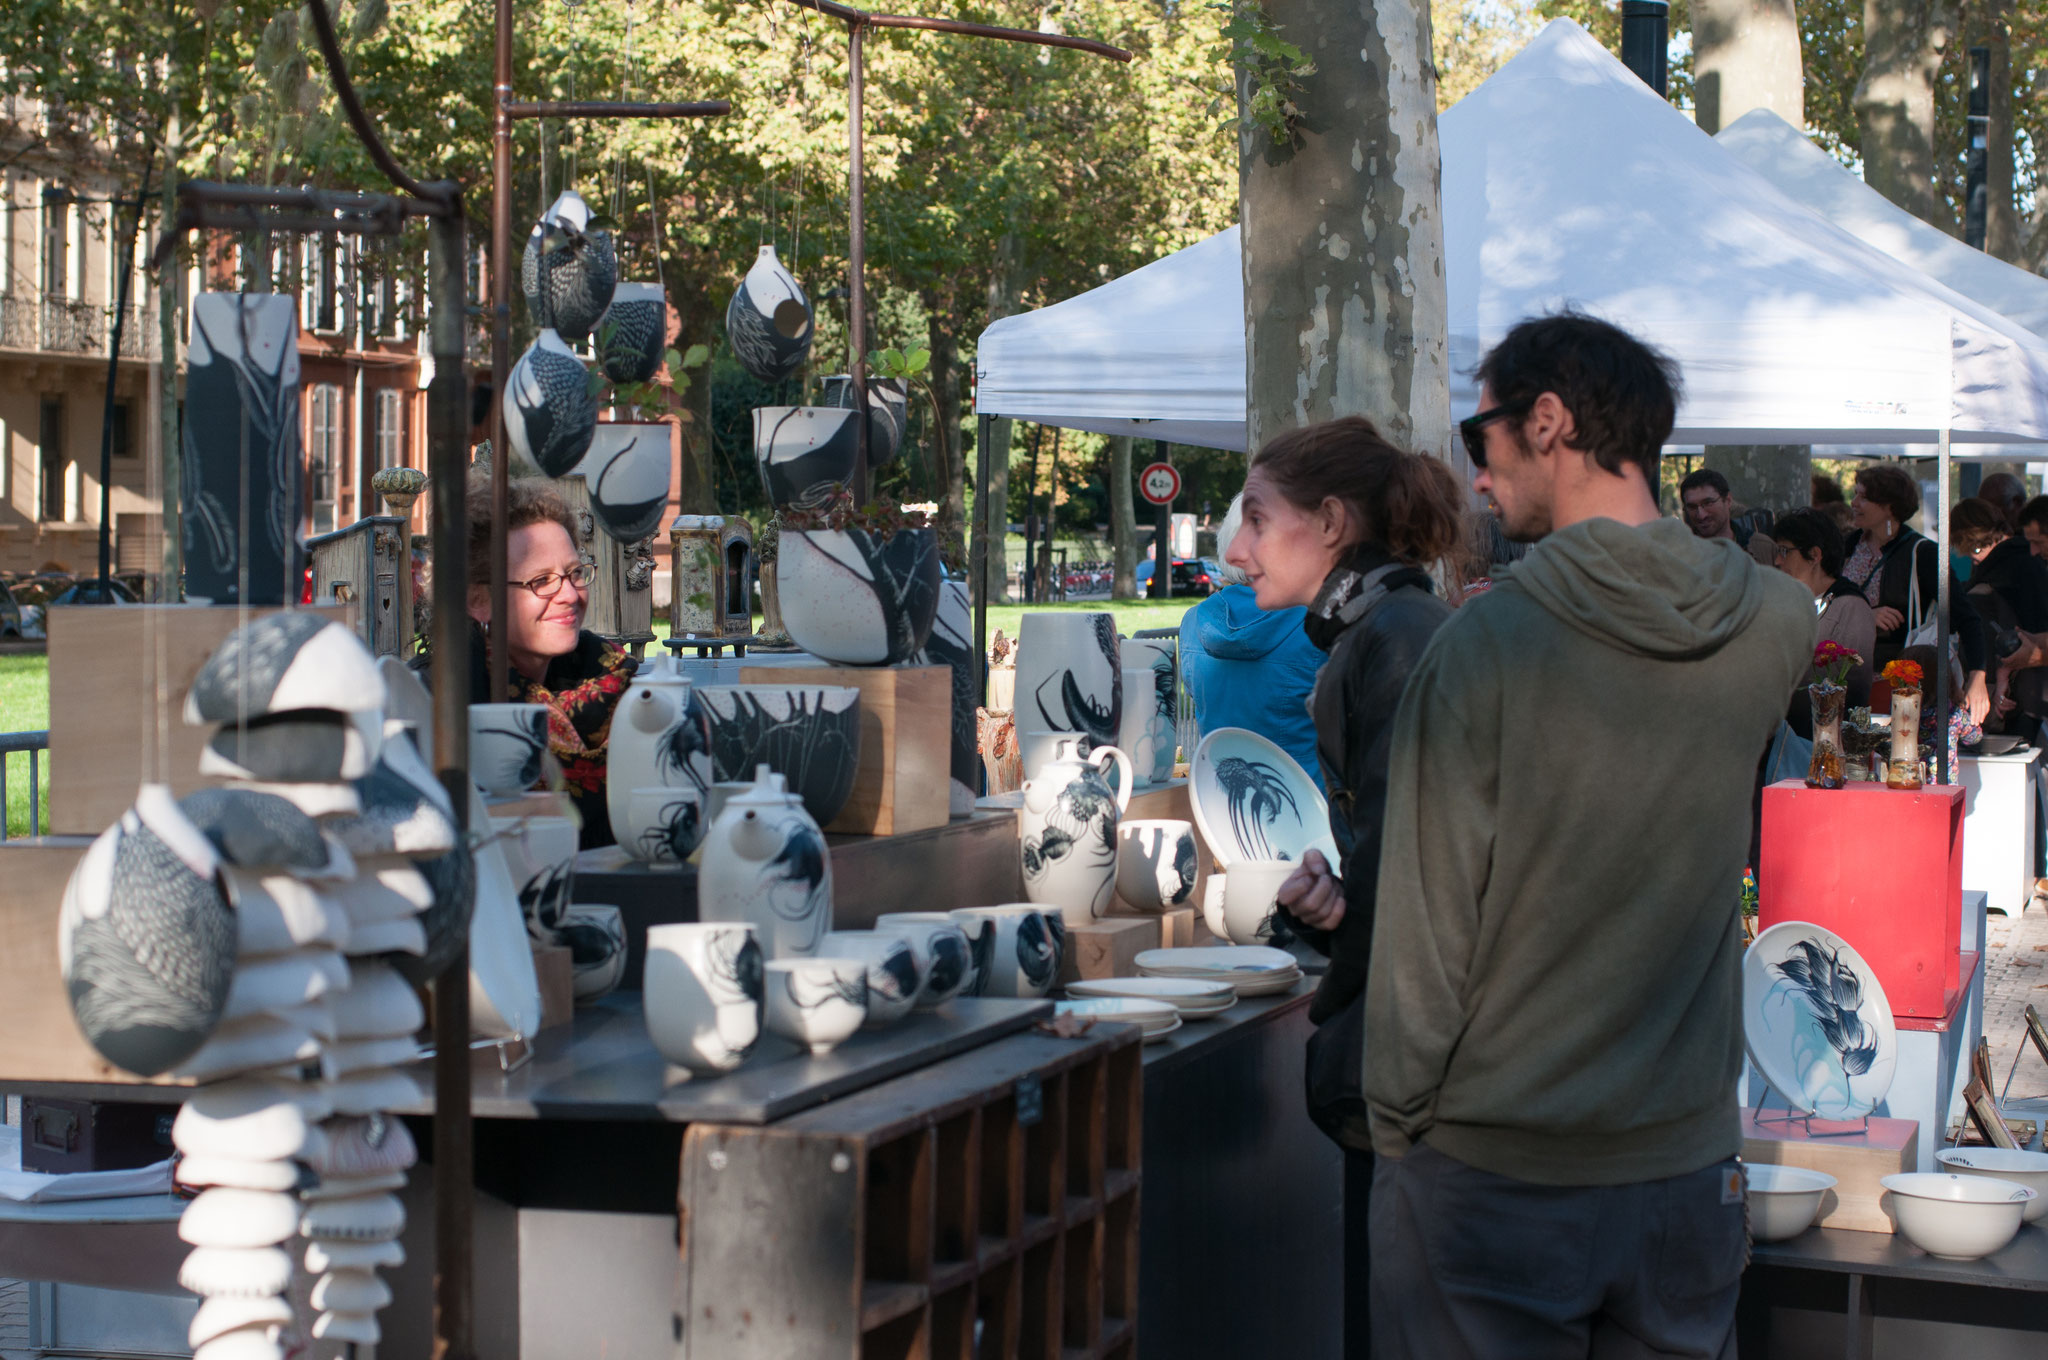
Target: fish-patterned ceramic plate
(1816,1021)
(1254,801)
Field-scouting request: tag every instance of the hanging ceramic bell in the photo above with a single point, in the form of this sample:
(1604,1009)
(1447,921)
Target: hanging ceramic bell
(806,454)
(569,272)
(633,333)
(888,413)
(627,471)
(769,320)
(550,415)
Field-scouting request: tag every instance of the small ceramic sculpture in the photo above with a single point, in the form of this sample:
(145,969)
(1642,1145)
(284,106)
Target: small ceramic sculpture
(282,663)
(568,272)
(550,416)
(1067,831)
(854,597)
(769,320)
(765,863)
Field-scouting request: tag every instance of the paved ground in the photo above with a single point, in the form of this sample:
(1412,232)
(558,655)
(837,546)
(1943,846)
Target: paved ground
(2016,974)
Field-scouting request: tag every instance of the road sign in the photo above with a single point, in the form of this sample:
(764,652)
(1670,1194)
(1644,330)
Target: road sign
(1159,483)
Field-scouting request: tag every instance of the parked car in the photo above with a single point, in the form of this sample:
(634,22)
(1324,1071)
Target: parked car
(10,614)
(1191,576)
(96,590)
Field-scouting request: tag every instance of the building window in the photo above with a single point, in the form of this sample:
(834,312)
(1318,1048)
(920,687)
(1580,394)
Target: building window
(50,459)
(390,427)
(124,415)
(323,452)
(323,285)
(56,244)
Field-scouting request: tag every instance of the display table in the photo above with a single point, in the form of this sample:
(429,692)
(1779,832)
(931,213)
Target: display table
(1998,829)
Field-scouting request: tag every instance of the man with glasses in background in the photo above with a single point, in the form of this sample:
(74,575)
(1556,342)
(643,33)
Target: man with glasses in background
(1710,512)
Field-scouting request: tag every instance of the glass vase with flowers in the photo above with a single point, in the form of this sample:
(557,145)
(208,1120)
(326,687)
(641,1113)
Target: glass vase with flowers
(1903,772)
(1826,695)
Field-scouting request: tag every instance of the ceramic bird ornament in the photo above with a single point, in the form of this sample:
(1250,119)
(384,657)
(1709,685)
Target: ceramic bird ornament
(570,268)
(550,414)
(285,662)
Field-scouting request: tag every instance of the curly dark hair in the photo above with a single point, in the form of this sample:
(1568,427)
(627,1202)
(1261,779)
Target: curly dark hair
(1892,487)
(1975,525)
(1623,395)
(1805,529)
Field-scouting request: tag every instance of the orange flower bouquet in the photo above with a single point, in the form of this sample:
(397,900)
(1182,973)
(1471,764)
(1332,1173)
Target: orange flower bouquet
(1903,675)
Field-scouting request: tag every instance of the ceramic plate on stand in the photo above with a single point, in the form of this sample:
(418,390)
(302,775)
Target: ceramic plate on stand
(1816,1022)
(1254,801)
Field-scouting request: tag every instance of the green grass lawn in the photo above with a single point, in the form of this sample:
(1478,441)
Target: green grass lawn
(1131,615)
(24,707)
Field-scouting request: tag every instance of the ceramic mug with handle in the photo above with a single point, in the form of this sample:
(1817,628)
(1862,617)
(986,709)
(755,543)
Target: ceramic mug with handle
(1066,831)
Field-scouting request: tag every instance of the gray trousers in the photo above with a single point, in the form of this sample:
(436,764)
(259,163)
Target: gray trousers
(1469,1264)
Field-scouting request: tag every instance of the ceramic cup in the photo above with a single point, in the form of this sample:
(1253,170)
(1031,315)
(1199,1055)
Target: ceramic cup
(506,743)
(702,991)
(818,1001)
(595,936)
(1212,903)
(1024,946)
(943,956)
(893,976)
(718,794)
(663,825)
(1248,899)
(541,853)
(1145,735)
(1155,864)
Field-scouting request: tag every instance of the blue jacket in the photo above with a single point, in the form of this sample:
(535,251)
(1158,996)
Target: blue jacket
(1247,667)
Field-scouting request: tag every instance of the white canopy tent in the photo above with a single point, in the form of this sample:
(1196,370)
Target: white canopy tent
(1568,181)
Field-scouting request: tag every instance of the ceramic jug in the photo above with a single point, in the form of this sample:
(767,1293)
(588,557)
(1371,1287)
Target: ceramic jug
(765,864)
(659,739)
(1067,830)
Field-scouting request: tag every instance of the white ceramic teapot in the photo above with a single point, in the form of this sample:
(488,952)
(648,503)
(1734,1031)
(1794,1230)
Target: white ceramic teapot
(765,863)
(659,739)
(1067,830)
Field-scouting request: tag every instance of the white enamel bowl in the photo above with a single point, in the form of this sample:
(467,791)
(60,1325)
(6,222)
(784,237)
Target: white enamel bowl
(1783,1200)
(2007,1164)
(1958,1218)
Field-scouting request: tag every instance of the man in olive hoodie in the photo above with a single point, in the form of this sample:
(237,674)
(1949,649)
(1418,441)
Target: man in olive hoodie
(1554,1001)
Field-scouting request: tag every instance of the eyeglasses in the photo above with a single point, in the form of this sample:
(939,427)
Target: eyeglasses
(1471,427)
(549,584)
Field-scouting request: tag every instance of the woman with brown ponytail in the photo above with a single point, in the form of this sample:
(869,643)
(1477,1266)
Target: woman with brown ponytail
(1343,522)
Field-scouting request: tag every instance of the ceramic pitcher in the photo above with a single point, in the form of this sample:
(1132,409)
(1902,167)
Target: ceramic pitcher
(659,739)
(1067,830)
(765,864)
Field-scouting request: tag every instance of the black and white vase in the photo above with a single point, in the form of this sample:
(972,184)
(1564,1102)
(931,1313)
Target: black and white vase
(1157,703)
(146,938)
(285,662)
(952,644)
(568,272)
(664,825)
(659,739)
(240,463)
(632,335)
(1069,677)
(769,320)
(627,471)
(807,454)
(854,598)
(550,415)
(808,734)
(888,413)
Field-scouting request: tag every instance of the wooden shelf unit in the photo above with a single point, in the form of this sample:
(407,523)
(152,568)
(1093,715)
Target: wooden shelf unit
(995,1192)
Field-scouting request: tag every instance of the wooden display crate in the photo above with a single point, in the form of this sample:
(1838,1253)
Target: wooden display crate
(1858,1161)
(999,1187)
(906,742)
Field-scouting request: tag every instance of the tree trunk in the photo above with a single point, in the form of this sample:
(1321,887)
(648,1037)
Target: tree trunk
(1343,233)
(1773,477)
(2002,232)
(1903,44)
(1746,56)
(170,432)
(1123,521)
(945,384)
(1005,290)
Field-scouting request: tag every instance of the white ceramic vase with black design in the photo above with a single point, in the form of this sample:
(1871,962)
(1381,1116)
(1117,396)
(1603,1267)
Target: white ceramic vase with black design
(1069,678)
(550,414)
(659,739)
(664,825)
(806,454)
(1025,945)
(632,334)
(627,471)
(568,272)
(765,863)
(855,598)
(702,990)
(1156,865)
(808,734)
(240,464)
(1157,698)
(1066,830)
(769,320)
(888,413)
(506,744)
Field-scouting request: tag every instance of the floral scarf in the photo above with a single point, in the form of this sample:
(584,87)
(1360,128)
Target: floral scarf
(582,690)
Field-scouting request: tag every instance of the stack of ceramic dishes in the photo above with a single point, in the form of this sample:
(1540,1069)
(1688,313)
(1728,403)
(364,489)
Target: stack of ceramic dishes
(1251,970)
(1194,998)
(1154,1019)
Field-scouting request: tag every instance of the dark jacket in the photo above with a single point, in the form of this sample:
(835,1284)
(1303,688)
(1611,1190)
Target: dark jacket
(1900,556)
(2010,588)
(1374,616)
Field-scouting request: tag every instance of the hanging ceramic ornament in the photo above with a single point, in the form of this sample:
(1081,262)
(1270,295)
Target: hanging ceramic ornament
(283,662)
(306,746)
(627,471)
(633,333)
(569,271)
(263,831)
(806,454)
(888,413)
(550,415)
(147,940)
(858,597)
(769,320)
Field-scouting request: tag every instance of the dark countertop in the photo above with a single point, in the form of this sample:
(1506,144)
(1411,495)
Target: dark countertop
(2021,1264)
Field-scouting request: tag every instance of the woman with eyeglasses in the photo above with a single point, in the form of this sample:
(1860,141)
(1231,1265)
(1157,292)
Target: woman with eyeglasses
(1808,548)
(577,674)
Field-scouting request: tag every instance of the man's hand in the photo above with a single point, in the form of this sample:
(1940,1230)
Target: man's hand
(1887,618)
(1312,894)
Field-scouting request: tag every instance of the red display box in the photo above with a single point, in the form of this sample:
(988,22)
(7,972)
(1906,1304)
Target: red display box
(1883,869)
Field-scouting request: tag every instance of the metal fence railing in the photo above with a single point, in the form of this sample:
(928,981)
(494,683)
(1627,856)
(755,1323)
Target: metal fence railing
(35,744)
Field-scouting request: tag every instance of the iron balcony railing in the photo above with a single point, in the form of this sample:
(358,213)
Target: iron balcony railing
(34,744)
(61,326)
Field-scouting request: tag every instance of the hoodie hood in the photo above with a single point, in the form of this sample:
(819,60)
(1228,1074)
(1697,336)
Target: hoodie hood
(1654,589)
(1231,624)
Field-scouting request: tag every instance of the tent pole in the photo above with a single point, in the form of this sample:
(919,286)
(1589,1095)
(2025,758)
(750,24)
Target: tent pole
(1943,629)
(984,427)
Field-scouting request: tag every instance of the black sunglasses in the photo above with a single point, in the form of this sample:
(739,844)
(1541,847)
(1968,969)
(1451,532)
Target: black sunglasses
(1471,429)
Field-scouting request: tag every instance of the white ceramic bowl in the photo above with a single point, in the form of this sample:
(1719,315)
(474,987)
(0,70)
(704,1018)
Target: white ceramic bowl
(702,993)
(1956,1217)
(818,1002)
(2007,1164)
(893,975)
(1783,1200)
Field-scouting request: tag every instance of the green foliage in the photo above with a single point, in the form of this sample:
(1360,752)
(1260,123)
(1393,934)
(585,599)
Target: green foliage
(1270,67)
(905,363)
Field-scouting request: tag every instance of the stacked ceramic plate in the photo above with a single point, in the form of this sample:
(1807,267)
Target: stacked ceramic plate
(1251,970)
(1155,1019)
(1194,998)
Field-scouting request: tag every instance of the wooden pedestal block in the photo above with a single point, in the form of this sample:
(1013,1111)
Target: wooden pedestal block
(906,742)
(1857,1161)
(1108,948)
(109,731)
(1176,925)
(556,968)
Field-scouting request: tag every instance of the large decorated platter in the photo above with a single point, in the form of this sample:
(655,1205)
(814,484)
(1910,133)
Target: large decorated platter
(1816,1022)
(1253,801)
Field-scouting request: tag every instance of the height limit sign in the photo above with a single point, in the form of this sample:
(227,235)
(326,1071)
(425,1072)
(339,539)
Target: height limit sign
(1159,483)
